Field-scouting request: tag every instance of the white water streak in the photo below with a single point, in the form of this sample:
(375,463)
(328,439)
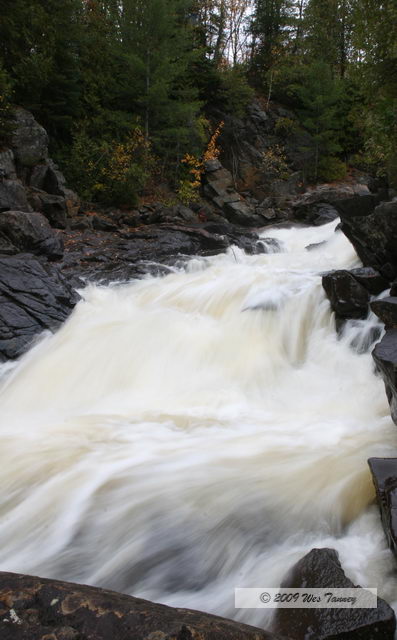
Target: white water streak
(182,436)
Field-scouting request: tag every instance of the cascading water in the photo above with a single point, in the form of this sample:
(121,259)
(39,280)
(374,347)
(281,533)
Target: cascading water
(182,436)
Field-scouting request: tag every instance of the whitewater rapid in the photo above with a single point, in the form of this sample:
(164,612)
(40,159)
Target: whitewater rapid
(182,436)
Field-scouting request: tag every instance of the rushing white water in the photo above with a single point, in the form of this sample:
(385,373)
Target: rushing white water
(182,436)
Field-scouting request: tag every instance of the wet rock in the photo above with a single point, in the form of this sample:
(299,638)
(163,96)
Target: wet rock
(348,297)
(39,609)
(321,568)
(30,140)
(33,297)
(370,279)
(386,310)
(385,356)
(373,233)
(315,214)
(384,475)
(30,231)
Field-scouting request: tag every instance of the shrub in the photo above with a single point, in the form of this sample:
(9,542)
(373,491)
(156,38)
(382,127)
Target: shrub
(331,168)
(110,172)
(274,162)
(285,127)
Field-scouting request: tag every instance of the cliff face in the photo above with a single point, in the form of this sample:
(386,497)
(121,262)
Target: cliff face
(29,179)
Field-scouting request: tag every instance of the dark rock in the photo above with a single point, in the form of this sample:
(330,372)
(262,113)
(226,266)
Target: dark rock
(30,232)
(38,609)
(385,356)
(37,176)
(33,297)
(7,165)
(103,224)
(386,310)
(384,475)
(321,568)
(240,213)
(348,297)
(374,236)
(371,280)
(212,165)
(13,196)
(315,214)
(219,187)
(81,223)
(362,205)
(393,289)
(131,219)
(30,140)
(53,207)
(315,245)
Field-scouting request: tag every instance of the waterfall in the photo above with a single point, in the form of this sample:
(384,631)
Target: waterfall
(182,436)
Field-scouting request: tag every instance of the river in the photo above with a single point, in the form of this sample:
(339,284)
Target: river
(182,436)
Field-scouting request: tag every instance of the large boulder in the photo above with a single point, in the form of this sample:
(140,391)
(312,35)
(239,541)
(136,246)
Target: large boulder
(347,296)
(33,297)
(322,204)
(13,195)
(30,140)
(48,178)
(7,165)
(385,356)
(321,568)
(53,207)
(37,609)
(373,233)
(384,475)
(386,310)
(370,279)
(220,189)
(30,232)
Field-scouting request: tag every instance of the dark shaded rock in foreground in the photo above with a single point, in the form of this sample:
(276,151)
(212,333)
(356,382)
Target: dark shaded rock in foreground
(33,297)
(37,609)
(23,231)
(321,569)
(384,475)
(373,232)
(386,310)
(347,296)
(385,356)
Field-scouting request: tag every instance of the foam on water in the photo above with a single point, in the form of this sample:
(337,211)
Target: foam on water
(182,436)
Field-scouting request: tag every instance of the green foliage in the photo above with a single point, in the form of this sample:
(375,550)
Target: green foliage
(286,127)
(317,96)
(331,168)
(234,93)
(110,172)
(6,119)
